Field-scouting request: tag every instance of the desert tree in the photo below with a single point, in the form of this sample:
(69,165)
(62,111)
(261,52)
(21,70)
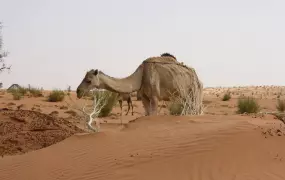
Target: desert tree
(3,54)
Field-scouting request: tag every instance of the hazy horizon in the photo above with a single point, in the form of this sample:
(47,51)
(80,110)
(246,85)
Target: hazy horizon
(230,43)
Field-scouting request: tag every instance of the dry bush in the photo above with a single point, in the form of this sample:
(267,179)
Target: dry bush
(175,108)
(23,91)
(102,104)
(108,102)
(17,95)
(186,101)
(247,105)
(35,92)
(56,96)
(280,105)
(226,96)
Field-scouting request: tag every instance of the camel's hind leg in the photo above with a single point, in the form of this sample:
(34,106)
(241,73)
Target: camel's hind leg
(129,105)
(154,105)
(146,104)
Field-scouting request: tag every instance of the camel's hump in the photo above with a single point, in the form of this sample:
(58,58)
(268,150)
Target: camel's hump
(166,60)
(161,59)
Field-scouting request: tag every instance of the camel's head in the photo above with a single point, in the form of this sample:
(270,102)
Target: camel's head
(90,81)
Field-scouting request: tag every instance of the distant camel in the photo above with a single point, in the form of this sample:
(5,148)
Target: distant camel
(125,97)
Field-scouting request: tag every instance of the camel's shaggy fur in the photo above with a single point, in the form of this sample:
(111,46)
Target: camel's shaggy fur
(157,78)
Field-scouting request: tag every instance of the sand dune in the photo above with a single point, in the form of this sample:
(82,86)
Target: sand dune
(162,147)
(44,140)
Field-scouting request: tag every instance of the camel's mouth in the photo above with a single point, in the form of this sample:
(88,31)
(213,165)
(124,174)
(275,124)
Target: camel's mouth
(79,94)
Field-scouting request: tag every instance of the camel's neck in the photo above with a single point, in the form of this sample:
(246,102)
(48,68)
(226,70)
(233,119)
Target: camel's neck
(122,85)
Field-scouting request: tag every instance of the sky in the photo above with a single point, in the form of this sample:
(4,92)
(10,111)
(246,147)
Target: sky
(52,43)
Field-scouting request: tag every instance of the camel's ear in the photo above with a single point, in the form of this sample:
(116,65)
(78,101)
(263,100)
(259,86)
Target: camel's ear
(95,72)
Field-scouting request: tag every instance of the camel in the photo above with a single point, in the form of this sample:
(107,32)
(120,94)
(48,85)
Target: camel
(125,97)
(156,79)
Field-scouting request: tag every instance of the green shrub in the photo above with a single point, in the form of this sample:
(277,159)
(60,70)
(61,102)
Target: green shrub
(226,96)
(247,105)
(175,108)
(35,92)
(56,96)
(22,91)
(17,95)
(280,105)
(110,99)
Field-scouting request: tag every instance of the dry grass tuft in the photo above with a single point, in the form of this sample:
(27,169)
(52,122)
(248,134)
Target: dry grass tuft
(35,92)
(280,105)
(226,97)
(56,96)
(247,105)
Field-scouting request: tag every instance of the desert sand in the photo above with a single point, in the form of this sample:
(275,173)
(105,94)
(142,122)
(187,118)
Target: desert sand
(47,141)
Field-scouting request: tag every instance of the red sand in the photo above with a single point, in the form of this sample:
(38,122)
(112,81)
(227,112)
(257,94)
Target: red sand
(218,145)
(23,131)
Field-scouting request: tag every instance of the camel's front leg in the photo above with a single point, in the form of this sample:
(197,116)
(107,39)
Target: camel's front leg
(121,106)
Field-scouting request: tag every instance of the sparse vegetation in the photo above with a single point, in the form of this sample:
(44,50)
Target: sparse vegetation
(56,96)
(186,101)
(227,96)
(175,108)
(247,105)
(109,100)
(22,91)
(35,92)
(102,105)
(280,105)
(17,95)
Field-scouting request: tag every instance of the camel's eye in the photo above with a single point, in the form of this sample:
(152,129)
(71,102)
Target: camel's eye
(88,81)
